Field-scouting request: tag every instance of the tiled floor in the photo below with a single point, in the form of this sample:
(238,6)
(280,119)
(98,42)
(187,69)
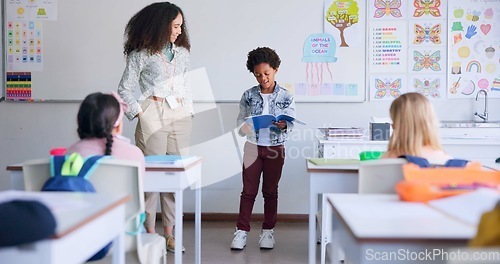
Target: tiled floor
(290,248)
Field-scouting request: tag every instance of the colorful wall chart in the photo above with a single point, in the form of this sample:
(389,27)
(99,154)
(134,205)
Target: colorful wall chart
(18,86)
(24,46)
(387,47)
(474,49)
(334,60)
(407,48)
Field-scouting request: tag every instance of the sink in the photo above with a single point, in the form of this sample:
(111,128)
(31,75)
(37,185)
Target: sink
(470,123)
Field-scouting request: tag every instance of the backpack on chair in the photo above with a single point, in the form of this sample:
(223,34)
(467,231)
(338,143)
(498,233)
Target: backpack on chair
(71,174)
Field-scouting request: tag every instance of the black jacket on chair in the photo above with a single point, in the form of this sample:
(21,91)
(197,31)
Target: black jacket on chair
(25,222)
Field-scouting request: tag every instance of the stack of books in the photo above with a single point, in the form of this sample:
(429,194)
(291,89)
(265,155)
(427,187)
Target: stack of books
(336,133)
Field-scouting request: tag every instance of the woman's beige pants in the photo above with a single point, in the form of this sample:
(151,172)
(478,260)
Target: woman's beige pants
(162,130)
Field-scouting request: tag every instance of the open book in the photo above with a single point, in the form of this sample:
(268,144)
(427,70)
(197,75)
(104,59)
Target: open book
(264,121)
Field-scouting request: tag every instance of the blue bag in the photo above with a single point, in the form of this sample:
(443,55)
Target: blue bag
(424,163)
(70,174)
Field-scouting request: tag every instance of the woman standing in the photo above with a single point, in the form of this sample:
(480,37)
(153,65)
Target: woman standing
(158,60)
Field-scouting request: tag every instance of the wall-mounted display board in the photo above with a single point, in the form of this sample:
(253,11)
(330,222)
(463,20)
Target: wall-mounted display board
(63,50)
(331,50)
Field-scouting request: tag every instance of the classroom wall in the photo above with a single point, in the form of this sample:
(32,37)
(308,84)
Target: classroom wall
(29,130)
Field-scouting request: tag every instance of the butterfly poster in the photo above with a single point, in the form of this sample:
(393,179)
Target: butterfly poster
(427,33)
(428,9)
(387,9)
(427,60)
(387,87)
(432,86)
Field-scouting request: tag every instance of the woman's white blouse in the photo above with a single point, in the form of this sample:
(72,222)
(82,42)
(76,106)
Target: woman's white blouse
(156,76)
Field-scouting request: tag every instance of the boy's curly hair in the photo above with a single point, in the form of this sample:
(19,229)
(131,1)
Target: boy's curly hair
(263,55)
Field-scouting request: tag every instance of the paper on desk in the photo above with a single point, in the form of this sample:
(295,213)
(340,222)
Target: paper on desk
(322,161)
(468,207)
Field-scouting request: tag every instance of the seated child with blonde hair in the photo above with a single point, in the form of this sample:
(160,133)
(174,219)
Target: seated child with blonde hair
(416,129)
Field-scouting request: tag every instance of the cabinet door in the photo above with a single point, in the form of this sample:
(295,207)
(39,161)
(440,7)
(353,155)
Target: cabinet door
(330,151)
(347,150)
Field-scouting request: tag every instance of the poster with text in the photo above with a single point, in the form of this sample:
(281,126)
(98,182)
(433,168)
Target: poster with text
(387,46)
(334,60)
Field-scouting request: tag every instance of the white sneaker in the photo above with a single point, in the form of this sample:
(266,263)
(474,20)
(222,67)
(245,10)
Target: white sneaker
(239,240)
(267,239)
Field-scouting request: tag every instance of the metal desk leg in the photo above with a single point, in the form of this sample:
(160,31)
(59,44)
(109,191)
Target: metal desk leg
(313,207)
(178,226)
(197,227)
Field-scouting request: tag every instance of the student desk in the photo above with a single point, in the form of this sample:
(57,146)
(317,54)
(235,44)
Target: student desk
(173,178)
(369,227)
(86,222)
(176,178)
(341,178)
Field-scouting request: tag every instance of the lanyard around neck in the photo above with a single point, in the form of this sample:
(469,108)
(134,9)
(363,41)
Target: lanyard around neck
(166,65)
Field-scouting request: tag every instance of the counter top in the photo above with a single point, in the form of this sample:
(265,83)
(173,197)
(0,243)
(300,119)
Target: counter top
(448,140)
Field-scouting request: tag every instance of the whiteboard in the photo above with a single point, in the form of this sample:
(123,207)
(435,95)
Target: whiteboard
(83,47)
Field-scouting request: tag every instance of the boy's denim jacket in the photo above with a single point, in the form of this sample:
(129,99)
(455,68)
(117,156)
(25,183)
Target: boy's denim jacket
(280,102)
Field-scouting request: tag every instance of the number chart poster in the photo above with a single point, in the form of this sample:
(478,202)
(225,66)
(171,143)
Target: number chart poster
(334,60)
(474,48)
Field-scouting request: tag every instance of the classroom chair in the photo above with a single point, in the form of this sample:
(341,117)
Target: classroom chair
(374,176)
(112,176)
(380,176)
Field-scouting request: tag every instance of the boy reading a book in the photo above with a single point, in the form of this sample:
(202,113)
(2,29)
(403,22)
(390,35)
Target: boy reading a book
(264,151)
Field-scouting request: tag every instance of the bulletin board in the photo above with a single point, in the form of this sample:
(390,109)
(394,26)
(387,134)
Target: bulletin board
(407,48)
(474,49)
(330,50)
(439,48)
(75,48)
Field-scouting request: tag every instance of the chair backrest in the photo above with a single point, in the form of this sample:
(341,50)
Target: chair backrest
(35,174)
(380,176)
(111,176)
(120,176)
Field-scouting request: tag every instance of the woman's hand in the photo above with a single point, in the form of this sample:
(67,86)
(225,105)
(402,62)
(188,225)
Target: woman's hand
(245,129)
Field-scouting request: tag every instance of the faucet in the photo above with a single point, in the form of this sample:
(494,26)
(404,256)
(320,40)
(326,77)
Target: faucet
(484,116)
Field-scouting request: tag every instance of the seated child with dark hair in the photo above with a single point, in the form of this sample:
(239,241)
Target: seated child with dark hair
(100,125)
